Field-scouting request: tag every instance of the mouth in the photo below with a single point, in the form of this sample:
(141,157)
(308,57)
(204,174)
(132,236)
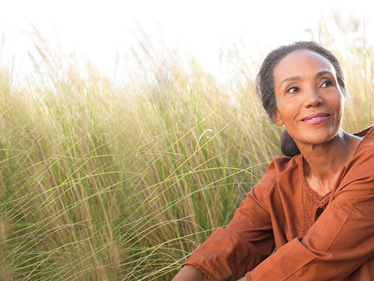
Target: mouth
(316,118)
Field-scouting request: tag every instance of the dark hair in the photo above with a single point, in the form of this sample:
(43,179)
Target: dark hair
(265,83)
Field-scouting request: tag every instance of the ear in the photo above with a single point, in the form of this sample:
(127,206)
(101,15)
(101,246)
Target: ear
(277,117)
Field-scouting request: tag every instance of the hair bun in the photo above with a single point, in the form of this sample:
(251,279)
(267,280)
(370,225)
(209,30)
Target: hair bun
(288,145)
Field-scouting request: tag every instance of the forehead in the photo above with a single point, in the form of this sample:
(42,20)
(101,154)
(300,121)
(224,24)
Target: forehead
(300,63)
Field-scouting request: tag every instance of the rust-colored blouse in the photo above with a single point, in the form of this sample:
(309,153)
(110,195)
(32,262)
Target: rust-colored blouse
(316,238)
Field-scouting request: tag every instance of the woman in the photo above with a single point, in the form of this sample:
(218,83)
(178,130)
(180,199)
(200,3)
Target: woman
(316,208)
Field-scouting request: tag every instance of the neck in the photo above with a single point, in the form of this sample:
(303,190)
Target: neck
(324,161)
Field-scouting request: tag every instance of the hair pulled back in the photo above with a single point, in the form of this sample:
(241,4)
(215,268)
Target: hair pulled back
(265,83)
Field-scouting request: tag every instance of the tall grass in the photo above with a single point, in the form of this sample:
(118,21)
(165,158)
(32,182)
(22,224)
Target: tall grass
(101,181)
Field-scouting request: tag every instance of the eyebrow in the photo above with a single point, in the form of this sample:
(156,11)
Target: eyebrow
(295,78)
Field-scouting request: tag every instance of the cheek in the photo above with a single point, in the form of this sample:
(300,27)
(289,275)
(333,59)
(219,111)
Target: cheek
(340,104)
(286,109)
(336,100)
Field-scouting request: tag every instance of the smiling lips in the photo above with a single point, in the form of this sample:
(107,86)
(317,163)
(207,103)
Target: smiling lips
(315,119)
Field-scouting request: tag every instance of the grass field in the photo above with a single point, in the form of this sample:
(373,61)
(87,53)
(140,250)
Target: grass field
(122,181)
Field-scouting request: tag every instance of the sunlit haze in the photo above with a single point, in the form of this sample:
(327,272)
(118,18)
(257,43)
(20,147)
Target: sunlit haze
(103,29)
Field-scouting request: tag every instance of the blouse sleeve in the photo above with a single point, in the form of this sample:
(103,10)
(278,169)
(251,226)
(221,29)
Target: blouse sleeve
(340,241)
(247,240)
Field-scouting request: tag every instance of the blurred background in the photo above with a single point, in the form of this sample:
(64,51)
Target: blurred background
(105,32)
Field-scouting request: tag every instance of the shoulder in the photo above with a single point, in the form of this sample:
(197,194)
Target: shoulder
(283,167)
(367,143)
(364,155)
(359,169)
(282,174)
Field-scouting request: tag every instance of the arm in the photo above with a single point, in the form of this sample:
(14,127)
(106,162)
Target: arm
(229,253)
(340,241)
(190,273)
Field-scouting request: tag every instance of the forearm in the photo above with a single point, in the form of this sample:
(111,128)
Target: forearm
(190,273)
(228,254)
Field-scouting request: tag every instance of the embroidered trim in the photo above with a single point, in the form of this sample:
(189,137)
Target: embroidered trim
(311,202)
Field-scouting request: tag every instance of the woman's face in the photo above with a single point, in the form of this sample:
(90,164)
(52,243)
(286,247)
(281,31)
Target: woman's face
(309,101)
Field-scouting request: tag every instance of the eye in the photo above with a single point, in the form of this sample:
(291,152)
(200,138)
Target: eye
(293,89)
(326,83)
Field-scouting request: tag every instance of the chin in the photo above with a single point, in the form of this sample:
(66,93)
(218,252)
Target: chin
(317,139)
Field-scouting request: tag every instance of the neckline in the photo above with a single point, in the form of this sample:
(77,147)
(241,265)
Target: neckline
(365,136)
(305,184)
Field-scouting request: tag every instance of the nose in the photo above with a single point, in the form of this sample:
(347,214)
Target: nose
(312,98)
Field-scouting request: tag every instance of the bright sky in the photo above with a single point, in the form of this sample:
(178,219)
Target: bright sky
(100,29)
